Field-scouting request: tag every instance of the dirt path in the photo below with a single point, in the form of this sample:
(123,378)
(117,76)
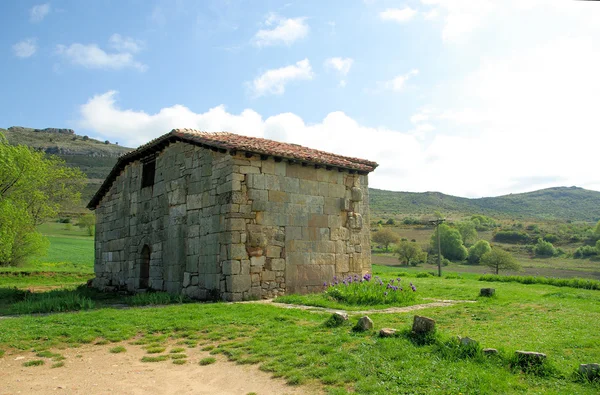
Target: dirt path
(389,310)
(92,369)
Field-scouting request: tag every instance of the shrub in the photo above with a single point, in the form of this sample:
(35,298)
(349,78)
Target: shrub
(365,291)
(477,251)
(423,275)
(207,361)
(544,248)
(511,236)
(551,238)
(585,251)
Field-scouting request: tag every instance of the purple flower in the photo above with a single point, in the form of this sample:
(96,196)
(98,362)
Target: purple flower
(325,284)
(367,277)
(413,288)
(398,279)
(392,281)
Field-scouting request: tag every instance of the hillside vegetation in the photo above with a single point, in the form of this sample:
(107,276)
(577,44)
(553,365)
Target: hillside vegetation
(96,158)
(561,203)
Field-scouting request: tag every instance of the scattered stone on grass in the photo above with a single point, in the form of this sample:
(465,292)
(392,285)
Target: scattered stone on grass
(423,325)
(466,341)
(339,317)
(590,370)
(364,324)
(487,292)
(530,358)
(490,351)
(387,332)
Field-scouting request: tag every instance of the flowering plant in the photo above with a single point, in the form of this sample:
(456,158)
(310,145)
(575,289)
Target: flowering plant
(368,290)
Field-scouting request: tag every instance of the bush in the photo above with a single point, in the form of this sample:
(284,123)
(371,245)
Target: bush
(511,236)
(477,251)
(585,251)
(367,291)
(551,238)
(544,248)
(390,221)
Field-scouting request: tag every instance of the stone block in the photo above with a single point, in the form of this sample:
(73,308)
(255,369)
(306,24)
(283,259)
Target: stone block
(590,371)
(290,185)
(187,279)
(490,351)
(256,181)
(249,170)
(231,267)
(318,220)
(273,251)
(356,194)
(342,263)
(276,264)
(338,318)
(387,332)
(364,324)
(268,167)
(423,325)
(268,275)
(529,359)
(259,205)
(237,251)
(258,261)
(238,283)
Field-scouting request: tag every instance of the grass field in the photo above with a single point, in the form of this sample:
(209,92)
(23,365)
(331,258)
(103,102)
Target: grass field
(556,321)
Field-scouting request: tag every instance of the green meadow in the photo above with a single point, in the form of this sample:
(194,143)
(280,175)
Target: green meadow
(299,345)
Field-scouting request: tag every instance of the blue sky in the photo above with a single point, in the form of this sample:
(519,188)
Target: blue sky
(463,97)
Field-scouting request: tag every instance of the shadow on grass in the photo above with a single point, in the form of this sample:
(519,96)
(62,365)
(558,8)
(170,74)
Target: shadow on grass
(16,301)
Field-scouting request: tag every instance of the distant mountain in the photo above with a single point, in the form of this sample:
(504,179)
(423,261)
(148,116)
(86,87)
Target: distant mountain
(96,159)
(560,203)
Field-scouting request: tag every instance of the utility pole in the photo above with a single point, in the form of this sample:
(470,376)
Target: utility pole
(436,223)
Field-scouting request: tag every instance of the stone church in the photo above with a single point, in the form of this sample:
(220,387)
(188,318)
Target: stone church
(224,216)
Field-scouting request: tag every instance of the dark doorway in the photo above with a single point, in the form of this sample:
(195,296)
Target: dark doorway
(145,267)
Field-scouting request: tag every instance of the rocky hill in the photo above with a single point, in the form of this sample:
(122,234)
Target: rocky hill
(96,159)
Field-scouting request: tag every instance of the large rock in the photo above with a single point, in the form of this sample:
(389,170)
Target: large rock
(364,324)
(423,325)
(466,341)
(487,292)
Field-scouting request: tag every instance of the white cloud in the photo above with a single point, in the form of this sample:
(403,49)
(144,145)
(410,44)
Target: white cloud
(399,82)
(274,81)
(38,13)
(25,48)
(125,44)
(93,57)
(341,65)
(280,31)
(491,162)
(398,15)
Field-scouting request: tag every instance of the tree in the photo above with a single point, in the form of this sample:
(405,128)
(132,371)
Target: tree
(499,259)
(467,232)
(33,187)
(385,237)
(477,251)
(88,222)
(544,248)
(451,243)
(409,253)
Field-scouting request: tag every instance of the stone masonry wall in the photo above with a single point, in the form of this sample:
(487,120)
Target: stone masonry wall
(306,225)
(233,227)
(179,218)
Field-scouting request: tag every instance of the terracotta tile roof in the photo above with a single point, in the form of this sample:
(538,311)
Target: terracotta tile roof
(230,142)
